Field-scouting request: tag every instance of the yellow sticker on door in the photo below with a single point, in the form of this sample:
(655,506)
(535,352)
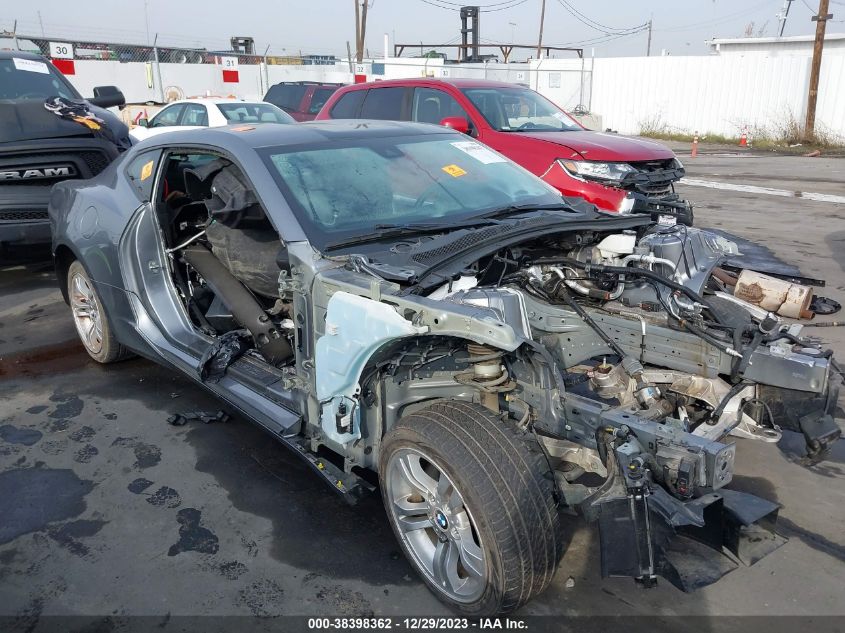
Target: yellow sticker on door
(454,171)
(147,170)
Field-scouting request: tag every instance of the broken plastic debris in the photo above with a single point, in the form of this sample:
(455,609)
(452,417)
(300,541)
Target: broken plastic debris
(222,353)
(824,305)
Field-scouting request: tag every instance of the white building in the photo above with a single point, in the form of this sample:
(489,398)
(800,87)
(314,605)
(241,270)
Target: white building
(794,45)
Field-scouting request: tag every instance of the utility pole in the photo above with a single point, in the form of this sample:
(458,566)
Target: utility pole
(784,13)
(648,46)
(815,70)
(357,30)
(540,38)
(360,29)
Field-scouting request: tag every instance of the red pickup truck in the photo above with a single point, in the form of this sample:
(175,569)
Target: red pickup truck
(616,173)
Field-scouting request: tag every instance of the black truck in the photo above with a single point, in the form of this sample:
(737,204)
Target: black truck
(40,146)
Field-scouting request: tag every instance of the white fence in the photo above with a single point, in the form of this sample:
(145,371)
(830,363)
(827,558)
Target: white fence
(715,94)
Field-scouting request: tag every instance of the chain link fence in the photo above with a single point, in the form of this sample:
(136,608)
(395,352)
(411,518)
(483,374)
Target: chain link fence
(163,73)
(64,48)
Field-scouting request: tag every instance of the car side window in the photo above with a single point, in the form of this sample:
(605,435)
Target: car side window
(384,104)
(194,114)
(319,98)
(432,106)
(287,96)
(167,117)
(348,105)
(140,172)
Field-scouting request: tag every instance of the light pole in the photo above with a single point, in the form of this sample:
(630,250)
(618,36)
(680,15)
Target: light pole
(513,31)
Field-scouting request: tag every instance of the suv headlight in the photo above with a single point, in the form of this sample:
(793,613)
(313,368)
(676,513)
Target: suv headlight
(609,173)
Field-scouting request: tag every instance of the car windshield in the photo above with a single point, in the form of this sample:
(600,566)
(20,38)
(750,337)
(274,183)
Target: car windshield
(32,79)
(347,189)
(519,110)
(254,113)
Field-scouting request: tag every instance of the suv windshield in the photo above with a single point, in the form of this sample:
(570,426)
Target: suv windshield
(22,78)
(254,113)
(347,189)
(519,110)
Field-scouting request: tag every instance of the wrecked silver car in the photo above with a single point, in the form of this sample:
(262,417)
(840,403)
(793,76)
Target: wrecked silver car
(398,299)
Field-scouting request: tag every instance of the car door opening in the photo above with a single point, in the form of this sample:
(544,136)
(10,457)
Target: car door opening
(226,255)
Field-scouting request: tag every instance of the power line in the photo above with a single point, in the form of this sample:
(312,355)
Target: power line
(602,39)
(717,21)
(483,6)
(597,26)
(450,6)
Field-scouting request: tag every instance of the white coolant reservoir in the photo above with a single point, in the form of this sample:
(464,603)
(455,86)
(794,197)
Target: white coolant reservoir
(616,245)
(466,282)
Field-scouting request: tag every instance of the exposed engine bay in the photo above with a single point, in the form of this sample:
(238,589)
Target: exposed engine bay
(634,364)
(616,342)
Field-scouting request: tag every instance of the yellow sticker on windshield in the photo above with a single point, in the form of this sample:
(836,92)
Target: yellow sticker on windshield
(147,170)
(454,171)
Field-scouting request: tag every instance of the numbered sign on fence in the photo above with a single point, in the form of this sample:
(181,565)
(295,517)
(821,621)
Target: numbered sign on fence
(62,55)
(230,69)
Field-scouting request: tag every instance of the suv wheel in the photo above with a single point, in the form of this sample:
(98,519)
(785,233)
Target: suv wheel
(90,319)
(470,499)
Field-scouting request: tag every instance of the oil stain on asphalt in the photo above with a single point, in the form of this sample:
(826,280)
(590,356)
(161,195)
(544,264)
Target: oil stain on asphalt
(30,498)
(14,435)
(68,534)
(192,536)
(146,455)
(69,406)
(267,480)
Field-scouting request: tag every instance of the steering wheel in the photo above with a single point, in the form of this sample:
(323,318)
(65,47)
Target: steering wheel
(429,192)
(528,125)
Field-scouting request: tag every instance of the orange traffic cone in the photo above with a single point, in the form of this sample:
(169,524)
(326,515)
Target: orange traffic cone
(694,152)
(743,140)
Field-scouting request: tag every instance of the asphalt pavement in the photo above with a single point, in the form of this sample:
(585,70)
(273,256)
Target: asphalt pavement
(107,510)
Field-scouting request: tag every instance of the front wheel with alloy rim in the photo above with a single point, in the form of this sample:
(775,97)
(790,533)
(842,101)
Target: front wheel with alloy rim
(90,319)
(471,501)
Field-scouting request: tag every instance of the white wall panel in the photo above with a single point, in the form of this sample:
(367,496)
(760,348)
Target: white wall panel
(708,94)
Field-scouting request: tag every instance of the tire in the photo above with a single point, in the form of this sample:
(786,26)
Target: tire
(505,492)
(90,318)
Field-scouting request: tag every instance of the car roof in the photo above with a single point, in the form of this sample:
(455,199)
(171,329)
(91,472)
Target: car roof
(21,55)
(242,136)
(424,81)
(218,100)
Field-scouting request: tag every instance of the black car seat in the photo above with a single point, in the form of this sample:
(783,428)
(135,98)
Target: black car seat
(239,232)
(429,111)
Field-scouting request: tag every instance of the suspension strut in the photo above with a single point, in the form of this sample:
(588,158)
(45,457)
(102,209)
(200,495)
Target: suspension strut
(488,373)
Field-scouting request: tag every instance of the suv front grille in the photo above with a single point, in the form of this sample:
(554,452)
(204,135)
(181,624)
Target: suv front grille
(96,161)
(23,215)
(83,163)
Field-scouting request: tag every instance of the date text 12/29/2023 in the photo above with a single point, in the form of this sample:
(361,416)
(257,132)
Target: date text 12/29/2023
(416,624)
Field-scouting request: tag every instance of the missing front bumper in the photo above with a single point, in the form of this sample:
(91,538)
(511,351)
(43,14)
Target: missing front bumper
(691,544)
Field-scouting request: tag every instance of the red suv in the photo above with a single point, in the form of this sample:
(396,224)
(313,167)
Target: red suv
(300,99)
(616,173)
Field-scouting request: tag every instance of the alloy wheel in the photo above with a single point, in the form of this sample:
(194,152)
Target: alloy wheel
(435,525)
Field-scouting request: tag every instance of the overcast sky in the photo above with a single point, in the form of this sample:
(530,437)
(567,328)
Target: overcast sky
(313,26)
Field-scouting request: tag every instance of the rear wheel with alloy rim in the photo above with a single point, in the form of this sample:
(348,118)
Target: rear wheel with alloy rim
(471,501)
(91,322)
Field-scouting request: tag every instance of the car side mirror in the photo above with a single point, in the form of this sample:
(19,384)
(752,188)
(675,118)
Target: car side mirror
(143,122)
(457,123)
(107,97)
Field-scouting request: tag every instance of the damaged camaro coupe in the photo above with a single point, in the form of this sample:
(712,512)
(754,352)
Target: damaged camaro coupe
(399,299)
